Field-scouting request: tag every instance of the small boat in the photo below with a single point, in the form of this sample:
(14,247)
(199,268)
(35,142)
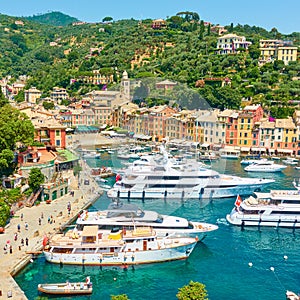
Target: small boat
(291,161)
(292,296)
(250,161)
(66,288)
(264,165)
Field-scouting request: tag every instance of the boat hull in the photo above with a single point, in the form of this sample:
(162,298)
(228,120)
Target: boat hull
(123,258)
(199,193)
(255,221)
(64,289)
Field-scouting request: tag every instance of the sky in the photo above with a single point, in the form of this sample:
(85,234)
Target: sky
(283,15)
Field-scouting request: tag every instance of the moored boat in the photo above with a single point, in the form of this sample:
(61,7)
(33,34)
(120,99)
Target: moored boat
(278,208)
(120,216)
(66,288)
(292,296)
(266,166)
(149,179)
(124,247)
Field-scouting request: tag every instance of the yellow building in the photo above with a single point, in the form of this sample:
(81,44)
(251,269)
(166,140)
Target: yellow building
(271,50)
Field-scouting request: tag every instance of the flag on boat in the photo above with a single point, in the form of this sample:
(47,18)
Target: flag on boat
(238,201)
(118,177)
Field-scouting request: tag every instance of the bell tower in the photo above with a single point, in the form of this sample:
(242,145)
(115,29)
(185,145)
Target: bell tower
(125,86)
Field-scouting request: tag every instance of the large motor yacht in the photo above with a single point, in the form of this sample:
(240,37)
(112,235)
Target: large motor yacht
(125,247)
(278,208)
(126,215)
(150,179)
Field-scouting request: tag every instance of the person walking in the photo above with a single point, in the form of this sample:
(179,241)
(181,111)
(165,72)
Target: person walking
(40,221)
(19,227)
(26,241)
(22,242)
(26,226)
(22,216)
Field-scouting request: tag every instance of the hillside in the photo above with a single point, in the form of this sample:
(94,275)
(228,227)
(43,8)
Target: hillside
(184,51)
(54,18)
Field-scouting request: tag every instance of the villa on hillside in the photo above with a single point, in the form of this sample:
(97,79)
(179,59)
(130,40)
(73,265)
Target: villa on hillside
(271,50)
(231,43)
(159,24)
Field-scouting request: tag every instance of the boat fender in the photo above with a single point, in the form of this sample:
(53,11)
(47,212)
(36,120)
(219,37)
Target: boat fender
(196,238)
(100,257)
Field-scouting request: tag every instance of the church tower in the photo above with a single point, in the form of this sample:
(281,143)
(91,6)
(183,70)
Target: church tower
(125,86)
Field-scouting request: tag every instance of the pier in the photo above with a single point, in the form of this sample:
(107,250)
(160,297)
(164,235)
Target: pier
(54,217)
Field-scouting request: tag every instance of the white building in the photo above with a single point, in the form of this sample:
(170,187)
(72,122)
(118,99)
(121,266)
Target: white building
(231,43)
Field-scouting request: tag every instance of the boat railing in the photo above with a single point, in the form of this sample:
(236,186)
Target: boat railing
(275,193)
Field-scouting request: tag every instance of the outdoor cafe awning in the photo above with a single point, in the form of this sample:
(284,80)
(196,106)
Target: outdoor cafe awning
(258,149)
(245,149)
(285,150)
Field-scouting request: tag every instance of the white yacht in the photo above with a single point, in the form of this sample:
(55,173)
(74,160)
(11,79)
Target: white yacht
(291,161)
(149,179)
(265,165)
(278,208)
(126,247)
(125,215)
(250,161)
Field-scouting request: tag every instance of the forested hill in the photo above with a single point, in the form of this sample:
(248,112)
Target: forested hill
(184,51)
(53,18)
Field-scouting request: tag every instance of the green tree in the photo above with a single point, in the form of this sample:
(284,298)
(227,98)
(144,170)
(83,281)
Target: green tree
(4,212)
(3,100)
(14,127)
(48,105)
(193,291)
(6,161)
(107,19)
(36,178)
(20,97)
(141,92)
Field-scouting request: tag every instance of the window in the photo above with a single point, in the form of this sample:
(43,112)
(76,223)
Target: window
(246,134)
(57,143)
(57,132)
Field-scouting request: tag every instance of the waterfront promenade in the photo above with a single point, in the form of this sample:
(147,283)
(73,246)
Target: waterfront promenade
(43,219)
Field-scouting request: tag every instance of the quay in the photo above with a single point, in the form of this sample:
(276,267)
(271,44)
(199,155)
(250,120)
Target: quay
(55,218)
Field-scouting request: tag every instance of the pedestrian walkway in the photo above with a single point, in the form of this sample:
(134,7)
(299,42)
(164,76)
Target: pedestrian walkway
(38,225)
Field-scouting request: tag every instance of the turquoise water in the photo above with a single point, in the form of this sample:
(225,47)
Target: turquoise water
(221,261)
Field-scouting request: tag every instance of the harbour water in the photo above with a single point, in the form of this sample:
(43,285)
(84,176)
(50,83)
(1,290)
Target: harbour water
(222,261)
